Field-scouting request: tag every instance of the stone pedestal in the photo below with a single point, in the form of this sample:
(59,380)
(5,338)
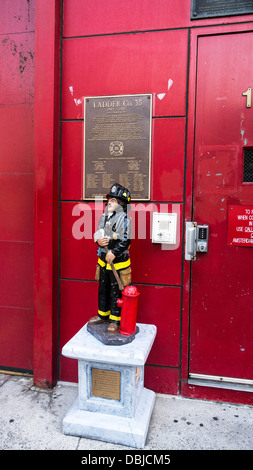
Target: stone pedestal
(112,404)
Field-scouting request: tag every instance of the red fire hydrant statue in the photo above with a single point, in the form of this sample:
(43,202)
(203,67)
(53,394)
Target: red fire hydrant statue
(128,304)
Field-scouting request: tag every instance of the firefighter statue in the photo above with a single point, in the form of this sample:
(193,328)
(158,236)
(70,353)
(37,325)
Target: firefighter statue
(113,238)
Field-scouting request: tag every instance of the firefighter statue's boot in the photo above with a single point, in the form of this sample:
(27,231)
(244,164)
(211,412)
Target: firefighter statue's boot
(112,328)
(97,320)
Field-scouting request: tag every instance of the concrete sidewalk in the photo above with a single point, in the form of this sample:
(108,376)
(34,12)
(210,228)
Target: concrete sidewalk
(31,419)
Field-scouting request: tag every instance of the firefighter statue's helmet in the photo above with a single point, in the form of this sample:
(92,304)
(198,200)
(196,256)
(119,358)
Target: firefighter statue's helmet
(120,192)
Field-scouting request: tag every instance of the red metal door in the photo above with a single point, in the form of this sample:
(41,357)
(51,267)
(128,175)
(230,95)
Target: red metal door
(221,327)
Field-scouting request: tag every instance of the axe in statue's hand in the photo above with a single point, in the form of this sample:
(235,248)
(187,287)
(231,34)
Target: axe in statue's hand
(121,287)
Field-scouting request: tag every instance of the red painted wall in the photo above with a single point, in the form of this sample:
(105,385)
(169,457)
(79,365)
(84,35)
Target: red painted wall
(149,61)
(16,182)
(141,47)
(97,60)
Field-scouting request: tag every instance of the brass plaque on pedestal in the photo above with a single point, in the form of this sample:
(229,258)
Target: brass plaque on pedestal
(117,144)
(105,383)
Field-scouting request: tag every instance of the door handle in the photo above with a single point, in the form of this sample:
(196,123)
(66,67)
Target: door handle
(196,240)
(190,241)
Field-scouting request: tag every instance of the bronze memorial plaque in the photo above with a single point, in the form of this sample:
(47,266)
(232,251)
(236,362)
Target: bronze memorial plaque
(105,383)
(117,144)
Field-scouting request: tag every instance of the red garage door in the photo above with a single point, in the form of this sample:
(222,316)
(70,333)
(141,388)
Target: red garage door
(16,183)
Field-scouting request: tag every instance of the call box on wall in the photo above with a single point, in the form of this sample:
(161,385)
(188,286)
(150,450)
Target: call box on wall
(164,228)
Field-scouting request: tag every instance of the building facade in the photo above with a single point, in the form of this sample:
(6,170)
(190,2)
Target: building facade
(195,61)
